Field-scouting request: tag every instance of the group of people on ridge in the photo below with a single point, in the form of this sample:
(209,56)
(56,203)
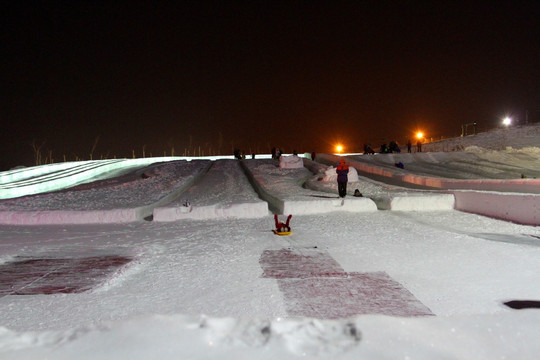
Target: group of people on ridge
(418,146)
(392,147)
(276,153)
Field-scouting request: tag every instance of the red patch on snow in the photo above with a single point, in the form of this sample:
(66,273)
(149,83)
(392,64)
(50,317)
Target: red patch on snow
(303,263)
(314,285)
(53,276)
(331,298)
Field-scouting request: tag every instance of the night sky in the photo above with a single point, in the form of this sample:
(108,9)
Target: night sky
(210,76)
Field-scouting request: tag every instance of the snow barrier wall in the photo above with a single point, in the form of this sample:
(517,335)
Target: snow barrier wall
(518,208)
(415,202)
(56,217)
(240,211)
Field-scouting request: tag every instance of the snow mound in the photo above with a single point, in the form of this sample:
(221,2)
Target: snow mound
(525,150)
(182,336)
(507,335)
(291,162)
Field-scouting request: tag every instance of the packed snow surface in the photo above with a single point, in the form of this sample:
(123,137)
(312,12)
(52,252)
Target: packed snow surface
(223,192)
(226,287)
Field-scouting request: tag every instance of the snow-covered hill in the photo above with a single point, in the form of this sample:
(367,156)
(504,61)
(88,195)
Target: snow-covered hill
(524,138)
(349,283)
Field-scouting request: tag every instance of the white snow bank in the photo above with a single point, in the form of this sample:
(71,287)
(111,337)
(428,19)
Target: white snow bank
(530,186)
(290,162)
(517,137)
(48,217)
(331,175)
(505,335)
(283,190)
(519,208)
(415,202)
(224,191)
(127,198)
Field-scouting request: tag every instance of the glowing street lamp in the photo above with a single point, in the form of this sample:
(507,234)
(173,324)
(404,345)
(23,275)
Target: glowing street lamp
(419,135)
(507,121)
(339,148)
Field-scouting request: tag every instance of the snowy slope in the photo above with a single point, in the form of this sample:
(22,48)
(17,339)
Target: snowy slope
(223,192)
(130,197)
(230,289)
(51,177)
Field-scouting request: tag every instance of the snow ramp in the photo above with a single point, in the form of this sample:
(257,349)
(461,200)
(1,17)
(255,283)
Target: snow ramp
(223,192)
(127,198)
(285,193)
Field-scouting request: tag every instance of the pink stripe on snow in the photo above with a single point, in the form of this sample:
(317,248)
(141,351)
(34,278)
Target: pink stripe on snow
(299,264)
(314,285)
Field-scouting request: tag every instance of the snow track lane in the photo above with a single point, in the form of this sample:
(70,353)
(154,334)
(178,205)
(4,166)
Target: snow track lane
(471,195)
(131,197)
(53,177)
(437,223)
(406,178)
(285,192)
(222,192)
(387,197)
(455,165)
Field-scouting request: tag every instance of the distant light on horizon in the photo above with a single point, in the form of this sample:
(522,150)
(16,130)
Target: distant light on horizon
(339,148)
(507,121)
(419,135)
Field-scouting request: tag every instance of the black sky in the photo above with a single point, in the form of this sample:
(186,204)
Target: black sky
(222,74)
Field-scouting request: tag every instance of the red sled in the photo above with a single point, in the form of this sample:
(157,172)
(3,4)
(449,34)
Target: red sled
(282,228)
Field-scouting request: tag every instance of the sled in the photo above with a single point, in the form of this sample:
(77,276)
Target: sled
(282,226)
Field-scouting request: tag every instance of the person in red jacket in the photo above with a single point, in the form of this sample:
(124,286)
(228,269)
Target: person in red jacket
(282,227)
(342,177)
